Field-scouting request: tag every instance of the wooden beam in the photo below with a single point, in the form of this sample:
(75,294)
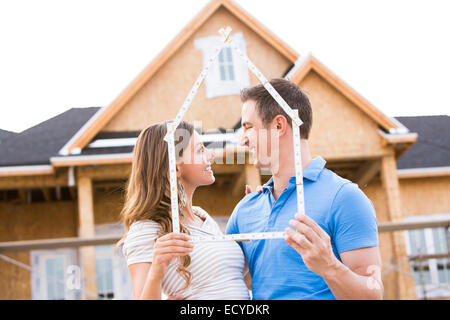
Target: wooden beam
(408,225)
(404,284)
(86,230)
(14,246)
(366,172)
(33,181)
(105,172)
(422,257)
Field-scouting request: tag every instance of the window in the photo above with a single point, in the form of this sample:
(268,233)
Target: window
(226,64)
(54,275)
(104,270)
(431,276)
(228,74)
(113,277)
(49,274)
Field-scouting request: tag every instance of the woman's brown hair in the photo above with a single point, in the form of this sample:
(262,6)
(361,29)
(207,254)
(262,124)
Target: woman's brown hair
(148,189)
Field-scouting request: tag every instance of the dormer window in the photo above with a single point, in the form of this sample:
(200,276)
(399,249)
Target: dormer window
(228,74)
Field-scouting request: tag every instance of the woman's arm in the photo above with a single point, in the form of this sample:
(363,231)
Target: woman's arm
(147,277)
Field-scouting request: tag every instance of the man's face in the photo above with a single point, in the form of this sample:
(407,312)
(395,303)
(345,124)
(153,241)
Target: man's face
(256,136)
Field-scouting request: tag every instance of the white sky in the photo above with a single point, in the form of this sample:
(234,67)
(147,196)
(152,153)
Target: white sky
(55,55)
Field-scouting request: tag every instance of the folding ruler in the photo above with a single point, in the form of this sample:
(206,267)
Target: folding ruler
(170,139)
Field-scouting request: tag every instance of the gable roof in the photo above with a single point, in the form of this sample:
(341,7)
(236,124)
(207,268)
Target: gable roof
(309,63)
(82,138)
(37,144)
(432,148)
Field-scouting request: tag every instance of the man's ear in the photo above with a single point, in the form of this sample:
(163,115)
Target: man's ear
(280,124)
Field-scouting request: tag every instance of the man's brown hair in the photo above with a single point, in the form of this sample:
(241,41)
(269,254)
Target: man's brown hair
(268,108)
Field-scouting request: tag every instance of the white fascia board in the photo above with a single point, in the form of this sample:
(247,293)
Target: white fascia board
(106,143)
(32,169)
(65,149)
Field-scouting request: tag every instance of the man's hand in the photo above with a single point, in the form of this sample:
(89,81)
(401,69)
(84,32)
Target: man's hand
(313,244)
(248,189)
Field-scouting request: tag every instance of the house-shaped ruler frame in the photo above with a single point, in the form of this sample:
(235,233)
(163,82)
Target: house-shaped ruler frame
(170,139)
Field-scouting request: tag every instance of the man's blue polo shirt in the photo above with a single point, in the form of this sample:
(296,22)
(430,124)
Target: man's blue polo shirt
(336,204)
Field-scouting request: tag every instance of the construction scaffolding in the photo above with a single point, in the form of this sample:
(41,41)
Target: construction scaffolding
(17,246)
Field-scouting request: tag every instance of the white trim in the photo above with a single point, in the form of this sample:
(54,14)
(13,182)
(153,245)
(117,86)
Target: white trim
(418,172)
(394,133)
(118,142)
(28,169)
(92,157)
(125,142)
(71,177)
(219,137)
(65,149)
(297,64)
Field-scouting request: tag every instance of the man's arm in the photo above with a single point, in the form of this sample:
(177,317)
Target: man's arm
(358,276)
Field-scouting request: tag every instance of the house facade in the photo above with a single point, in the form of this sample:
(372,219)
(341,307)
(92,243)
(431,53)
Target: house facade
(64,178)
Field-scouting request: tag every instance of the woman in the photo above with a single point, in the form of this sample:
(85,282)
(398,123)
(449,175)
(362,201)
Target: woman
(159,260)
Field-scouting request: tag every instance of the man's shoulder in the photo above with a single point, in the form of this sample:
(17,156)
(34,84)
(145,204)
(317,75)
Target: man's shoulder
(248,201)
(333,181)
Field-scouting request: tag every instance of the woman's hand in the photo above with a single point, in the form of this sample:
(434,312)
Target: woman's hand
(169,246)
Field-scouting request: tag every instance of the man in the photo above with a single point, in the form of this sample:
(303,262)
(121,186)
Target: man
(329,253)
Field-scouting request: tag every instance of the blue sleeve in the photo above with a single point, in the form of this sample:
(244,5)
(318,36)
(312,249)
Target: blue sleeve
(353,220)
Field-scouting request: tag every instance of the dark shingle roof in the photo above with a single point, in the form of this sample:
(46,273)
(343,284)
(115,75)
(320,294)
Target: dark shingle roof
(37,144)
(4,135)
(432,148)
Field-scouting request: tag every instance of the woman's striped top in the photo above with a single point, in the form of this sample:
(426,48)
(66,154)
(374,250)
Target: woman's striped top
(216,267)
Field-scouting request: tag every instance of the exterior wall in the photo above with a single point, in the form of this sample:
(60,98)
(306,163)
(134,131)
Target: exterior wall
(340,128)
(30,222)
(425,196)
(162,96)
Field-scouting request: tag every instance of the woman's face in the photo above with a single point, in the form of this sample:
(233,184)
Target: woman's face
(195,165)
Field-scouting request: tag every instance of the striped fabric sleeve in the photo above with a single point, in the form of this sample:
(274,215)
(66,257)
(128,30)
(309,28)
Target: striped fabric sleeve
(138,245)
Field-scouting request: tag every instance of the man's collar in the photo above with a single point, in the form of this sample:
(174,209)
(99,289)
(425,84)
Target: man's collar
(311,172)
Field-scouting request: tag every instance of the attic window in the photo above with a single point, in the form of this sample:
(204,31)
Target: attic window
(226,64)
(228,74)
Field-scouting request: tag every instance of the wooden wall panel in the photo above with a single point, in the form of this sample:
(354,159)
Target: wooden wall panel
(340,128)
(425,196)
